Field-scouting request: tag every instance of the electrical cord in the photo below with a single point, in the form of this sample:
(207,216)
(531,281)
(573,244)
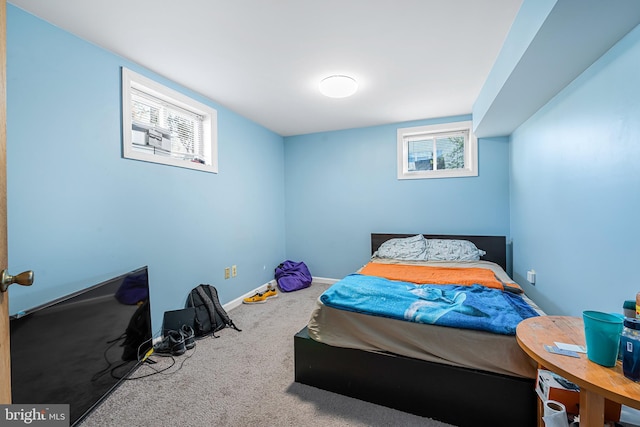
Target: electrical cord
(146,358)
(110,364)
(187,355)
(143,354)
(111,343)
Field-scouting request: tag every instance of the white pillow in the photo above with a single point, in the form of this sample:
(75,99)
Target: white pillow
(407,248)
(452,250)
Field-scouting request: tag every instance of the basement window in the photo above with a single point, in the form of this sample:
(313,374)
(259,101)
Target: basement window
(161,125)
(437,151)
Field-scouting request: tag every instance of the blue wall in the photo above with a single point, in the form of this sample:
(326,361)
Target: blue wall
(564,187)
(79,213)
(342,186)
(575,189)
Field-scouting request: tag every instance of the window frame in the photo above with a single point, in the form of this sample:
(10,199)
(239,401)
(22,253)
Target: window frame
(470,151)
(131,79)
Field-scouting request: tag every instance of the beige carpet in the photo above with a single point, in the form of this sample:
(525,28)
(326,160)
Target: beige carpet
(242,379)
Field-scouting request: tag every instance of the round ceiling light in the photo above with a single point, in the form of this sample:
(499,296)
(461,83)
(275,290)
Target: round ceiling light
(338,86)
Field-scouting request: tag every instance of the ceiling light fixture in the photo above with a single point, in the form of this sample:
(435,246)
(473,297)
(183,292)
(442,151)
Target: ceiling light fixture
(338,86)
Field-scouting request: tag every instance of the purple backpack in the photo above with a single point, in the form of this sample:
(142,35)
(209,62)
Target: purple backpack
(292,276)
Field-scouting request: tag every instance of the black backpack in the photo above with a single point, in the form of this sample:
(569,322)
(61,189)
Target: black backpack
(210,316)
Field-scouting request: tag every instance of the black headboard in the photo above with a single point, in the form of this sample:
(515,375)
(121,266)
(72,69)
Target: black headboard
(494,246)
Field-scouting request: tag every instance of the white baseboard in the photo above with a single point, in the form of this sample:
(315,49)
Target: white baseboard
(324,280)
(238,301)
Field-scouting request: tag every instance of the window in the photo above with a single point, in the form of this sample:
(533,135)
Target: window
(437,151)
(161,125)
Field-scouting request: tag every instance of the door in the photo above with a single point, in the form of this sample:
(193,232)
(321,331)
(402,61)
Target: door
(5,366)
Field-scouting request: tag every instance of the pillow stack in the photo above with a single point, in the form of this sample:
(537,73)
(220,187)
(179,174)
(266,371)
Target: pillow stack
(417,248)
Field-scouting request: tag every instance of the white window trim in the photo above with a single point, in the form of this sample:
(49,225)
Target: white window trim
(470,152)
(131,79)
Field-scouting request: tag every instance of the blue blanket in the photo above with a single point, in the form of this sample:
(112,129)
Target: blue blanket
(468,307)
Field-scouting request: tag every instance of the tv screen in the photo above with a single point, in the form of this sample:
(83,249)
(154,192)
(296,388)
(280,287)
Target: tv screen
(77,349)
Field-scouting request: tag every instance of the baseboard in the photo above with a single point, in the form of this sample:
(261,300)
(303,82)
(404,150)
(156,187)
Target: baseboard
(238,301)
(324,280)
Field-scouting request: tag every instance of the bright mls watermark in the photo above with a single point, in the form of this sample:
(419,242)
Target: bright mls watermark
(34,415)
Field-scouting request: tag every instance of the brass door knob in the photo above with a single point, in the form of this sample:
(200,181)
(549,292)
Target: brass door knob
(25,279)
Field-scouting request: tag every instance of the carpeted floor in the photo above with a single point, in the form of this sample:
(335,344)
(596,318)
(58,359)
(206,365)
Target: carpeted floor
(242,379)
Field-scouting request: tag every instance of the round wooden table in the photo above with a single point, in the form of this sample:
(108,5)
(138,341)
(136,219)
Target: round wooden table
(596,382)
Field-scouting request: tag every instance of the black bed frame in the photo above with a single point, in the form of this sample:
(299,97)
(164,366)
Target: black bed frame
(494,246)
(455,395)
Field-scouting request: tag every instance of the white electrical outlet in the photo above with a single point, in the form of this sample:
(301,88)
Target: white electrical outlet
(531,276)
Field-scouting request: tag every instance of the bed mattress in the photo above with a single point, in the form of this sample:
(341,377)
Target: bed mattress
(466,348)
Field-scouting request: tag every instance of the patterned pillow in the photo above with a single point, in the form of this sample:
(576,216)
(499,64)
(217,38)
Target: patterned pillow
(408,248)
(452,250)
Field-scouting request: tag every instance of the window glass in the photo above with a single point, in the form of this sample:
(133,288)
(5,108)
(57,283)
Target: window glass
(437,151)
(420,155)
(164,126)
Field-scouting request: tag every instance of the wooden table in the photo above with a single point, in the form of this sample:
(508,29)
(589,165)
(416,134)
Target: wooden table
(596,382)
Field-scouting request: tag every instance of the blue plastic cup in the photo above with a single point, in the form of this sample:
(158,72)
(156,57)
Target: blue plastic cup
(602,332)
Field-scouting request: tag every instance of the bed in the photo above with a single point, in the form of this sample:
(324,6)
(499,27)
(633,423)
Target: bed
(462,376)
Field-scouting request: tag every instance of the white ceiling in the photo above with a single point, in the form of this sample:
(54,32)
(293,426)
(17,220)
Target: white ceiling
(413,59)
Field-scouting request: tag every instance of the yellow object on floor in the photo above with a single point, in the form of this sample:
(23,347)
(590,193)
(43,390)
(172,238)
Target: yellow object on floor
(270,292)
(258,298)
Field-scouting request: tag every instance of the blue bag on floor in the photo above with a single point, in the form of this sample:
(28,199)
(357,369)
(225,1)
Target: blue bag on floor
(292,276)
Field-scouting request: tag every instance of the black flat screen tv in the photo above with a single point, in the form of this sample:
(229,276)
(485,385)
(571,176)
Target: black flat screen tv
(77,349)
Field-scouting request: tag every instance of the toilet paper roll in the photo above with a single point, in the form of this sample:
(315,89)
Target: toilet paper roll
(555,414)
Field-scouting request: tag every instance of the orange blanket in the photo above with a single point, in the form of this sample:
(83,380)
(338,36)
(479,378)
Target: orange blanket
(421,274)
